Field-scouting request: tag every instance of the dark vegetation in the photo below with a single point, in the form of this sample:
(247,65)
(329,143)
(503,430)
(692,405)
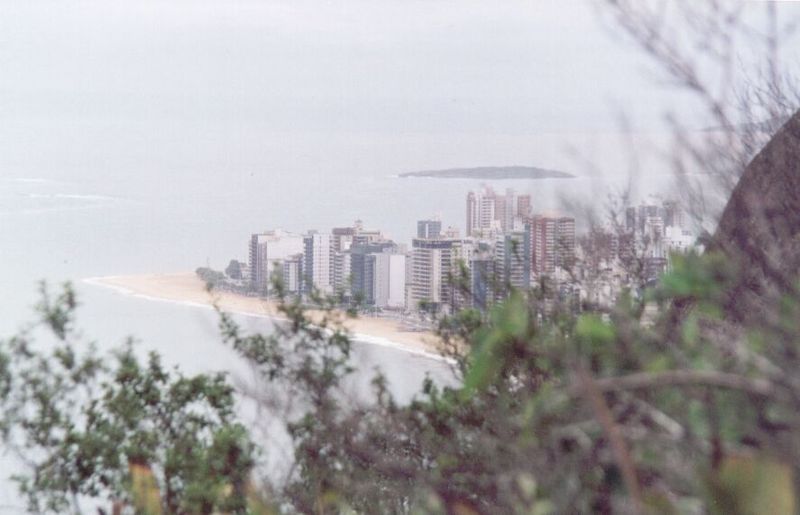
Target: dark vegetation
(234,270)
(212,278)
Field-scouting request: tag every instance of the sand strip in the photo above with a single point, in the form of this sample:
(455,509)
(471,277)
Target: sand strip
(187,288)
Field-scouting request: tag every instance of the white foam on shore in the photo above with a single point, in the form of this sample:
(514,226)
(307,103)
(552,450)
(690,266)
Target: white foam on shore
(101,281)
(358,337)
(386,342)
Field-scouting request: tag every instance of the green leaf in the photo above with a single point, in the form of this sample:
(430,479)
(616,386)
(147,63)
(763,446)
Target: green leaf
(592,330)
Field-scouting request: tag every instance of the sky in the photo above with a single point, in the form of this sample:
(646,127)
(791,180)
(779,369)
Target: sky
(114,75)
(410,66)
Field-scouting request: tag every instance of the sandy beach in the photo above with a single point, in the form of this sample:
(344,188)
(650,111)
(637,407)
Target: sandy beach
(186,287)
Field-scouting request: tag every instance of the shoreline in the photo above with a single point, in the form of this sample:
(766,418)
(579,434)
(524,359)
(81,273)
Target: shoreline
(187,289)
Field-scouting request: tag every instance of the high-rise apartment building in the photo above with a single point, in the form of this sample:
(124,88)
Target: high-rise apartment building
(635,217)
(673,214)
(317,262)
(509,205)
(513,259)
(434,272)
(390,279)
(266,252)
(429,229)
(342,240)
(488,212)
(431,262)
(363,236)
(292,274)
(472,213)
(669,211)
(552,242)
(524,206)
(341,273)
(482,279)
(363,269)
(482,211)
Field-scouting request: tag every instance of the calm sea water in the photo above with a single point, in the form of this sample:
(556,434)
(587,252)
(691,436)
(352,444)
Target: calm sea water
(180,203)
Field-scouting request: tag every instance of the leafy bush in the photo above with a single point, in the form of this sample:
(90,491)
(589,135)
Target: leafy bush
(93,425)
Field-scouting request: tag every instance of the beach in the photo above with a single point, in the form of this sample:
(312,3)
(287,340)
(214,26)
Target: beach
(188,288)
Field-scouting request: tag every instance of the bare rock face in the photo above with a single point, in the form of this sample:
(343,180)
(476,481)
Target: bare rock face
(760,228)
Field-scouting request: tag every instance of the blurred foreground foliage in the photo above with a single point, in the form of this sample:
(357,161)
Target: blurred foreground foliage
(657,405)
(116,428)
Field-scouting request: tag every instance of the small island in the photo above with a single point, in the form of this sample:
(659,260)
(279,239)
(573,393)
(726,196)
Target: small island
(492,172)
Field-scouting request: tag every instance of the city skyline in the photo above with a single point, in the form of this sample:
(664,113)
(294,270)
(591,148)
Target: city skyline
(508,245)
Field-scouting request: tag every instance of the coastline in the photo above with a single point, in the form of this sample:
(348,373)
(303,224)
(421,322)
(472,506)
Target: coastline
(188,289)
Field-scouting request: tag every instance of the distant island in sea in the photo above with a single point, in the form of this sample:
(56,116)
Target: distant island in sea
(492,172)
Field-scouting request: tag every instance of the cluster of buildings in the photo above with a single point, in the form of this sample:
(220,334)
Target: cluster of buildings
(350,261)
(633,252)
(505,246)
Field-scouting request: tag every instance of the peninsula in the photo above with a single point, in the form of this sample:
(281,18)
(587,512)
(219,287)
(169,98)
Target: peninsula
(492,172)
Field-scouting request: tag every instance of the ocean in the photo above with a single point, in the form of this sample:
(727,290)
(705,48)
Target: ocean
(174,203)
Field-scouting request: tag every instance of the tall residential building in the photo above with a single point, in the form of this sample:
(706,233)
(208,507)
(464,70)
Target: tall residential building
(266,252)
(482,212)
(488,212)
(363,269)
(431,262)
(317,262)
(429,229)
(509,210)
(513,259)
(635,217)
(524,206)
(341,273)
(669,211)
(552,243)
(342,239)
(458,283)
(677,239)
(292,274)
(653,234)
(487,209)
(363,236)
(472,213)
(434,273)
(483,279)
(499,212)
(673,214)
(390,279)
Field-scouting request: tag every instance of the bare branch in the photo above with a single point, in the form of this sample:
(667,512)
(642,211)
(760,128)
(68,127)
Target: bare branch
(683,378)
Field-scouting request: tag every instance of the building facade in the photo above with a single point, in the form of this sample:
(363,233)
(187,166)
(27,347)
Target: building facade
(552,241)
(513,259)
(430,268)
(317,263)
(267,251)
(390,280)
(429,229)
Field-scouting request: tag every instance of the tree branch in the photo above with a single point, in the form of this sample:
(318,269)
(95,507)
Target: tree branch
(682,378)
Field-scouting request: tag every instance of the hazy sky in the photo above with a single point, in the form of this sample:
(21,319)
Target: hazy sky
(297,65)
(123,70)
